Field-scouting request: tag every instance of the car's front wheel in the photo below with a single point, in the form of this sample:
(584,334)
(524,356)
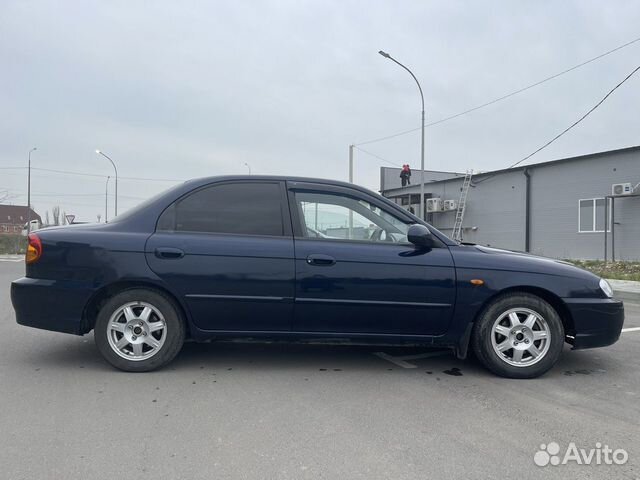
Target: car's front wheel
(519,335)
(139,330)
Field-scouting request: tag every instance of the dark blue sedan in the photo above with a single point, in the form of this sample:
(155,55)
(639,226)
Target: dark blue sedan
(300,259)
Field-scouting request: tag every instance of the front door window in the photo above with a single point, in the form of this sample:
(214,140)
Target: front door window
(339,217)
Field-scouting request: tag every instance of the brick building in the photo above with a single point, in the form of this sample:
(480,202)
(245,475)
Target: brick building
(13,218)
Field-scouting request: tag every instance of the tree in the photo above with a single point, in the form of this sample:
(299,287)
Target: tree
(46,218)
(55,213)
(5,196)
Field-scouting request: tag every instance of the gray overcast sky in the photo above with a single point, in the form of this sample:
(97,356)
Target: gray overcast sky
(185,89)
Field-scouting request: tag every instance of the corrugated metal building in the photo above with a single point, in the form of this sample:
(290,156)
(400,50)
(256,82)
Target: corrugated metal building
(555,209)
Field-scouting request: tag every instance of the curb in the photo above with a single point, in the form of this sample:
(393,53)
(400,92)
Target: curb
(11,258)
(626,296)
(626,290)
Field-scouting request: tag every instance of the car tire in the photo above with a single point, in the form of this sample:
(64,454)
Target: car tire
(139,330)
(518,335)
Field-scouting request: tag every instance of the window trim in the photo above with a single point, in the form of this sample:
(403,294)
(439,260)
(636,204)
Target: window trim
(287,231)
(595,214)
(298,217)
(293,185)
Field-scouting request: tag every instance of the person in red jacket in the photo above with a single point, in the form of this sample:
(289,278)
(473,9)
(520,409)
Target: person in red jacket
(405,175)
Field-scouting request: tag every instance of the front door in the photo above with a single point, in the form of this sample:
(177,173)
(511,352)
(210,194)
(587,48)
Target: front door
(227,250)
(357,273)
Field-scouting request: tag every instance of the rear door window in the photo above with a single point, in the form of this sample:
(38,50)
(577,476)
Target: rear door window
(250,208)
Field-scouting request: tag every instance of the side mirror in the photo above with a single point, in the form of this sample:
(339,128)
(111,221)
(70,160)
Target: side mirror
(420,236)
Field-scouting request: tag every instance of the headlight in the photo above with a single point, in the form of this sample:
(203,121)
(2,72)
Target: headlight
(606,288)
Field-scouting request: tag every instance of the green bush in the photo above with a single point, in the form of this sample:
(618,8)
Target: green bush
(613,270)
(12,244)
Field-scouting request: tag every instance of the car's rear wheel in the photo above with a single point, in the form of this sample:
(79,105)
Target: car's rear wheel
(139,330)
(518,335)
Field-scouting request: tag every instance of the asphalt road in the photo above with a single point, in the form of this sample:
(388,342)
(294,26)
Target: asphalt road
(301,411)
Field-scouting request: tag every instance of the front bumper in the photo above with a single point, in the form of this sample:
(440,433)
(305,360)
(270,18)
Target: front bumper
(597,321)
(55,305)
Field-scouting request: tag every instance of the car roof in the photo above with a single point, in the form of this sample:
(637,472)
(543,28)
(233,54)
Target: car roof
(153,206)
(286,178)
(146,214)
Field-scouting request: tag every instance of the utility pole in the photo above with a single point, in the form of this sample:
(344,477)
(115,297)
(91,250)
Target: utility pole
(386,55)
(350,181)
(350,163)
(29,192)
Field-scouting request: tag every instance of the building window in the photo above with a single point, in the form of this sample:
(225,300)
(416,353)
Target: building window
(591,215)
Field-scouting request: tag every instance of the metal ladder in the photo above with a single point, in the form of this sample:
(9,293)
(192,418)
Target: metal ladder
(462,203)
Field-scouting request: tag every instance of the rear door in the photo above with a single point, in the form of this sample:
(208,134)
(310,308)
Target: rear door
(356,273)
(227,250)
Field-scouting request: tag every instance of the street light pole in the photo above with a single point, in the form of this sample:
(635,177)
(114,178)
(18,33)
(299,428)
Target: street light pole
(106,200)
(29,192)
(99,152)
(350,181)
(248,166)
(386,55)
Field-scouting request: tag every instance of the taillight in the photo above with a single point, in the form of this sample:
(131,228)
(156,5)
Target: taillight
(34,249)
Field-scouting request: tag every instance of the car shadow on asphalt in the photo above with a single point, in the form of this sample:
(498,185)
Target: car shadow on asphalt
(294,356)
(279,356)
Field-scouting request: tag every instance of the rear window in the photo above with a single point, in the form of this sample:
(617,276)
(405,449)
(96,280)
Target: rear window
(237,208)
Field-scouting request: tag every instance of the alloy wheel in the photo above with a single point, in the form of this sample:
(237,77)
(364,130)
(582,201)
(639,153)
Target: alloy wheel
(520,337)
(136,331)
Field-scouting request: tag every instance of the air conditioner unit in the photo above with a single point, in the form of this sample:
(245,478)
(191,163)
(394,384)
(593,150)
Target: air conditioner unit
(434,205)
(621,189)
(450,205)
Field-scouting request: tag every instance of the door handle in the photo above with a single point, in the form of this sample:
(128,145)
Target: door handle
(321,260)
(169,252)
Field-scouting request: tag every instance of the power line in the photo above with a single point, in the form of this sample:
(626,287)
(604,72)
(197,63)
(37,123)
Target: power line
(96,175)
(570,126)
(81,195)
(503,97)
(377,156)
(68,172)
(65,194)
(175,180)
(65,203)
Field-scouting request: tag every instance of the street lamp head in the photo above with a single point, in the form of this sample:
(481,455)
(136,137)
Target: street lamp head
(98,152)
(34,149)
(384,54)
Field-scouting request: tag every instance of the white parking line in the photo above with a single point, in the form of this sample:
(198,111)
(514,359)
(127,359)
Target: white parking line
(7,259)
(631,329)
(400,361)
